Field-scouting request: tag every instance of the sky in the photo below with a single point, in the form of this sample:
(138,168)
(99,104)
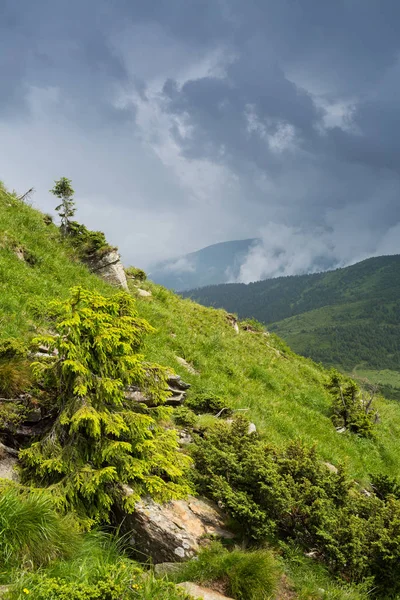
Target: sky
(183,123)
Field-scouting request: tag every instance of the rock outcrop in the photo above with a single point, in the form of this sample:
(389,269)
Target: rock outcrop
(8,463)
(175,531)
(176,387)
(109,267)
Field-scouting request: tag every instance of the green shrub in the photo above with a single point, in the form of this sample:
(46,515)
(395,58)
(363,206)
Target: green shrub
(89,244)
(137,274)
(184,417)
(102,439)
(207,403)
(31,530)
(290,494)
(242,575)
(350,408)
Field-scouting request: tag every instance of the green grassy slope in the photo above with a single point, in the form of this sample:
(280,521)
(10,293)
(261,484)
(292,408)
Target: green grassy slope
(26,289)
(282,393)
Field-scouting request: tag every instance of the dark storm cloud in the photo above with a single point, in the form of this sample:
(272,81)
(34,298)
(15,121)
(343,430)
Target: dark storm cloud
(220,118)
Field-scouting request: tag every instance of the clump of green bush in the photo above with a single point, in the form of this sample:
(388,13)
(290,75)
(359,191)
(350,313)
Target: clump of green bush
(135,273)
(351,409)
(184,417)
(243,575)
(89,244)
(291,495)
(208,403)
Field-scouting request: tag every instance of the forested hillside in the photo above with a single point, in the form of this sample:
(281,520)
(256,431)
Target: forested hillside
(349,317)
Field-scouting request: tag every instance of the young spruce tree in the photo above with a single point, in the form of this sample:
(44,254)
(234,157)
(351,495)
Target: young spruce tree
(100,440)
(66,209)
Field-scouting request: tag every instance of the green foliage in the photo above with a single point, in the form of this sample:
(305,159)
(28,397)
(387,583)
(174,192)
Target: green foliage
(100,439)
(66,209)
(207,403)
(137,274)
(98,570)
(31,530)
(351,409)
(242,575)
(89,244)
(385,486)
(291,495)
(184,417)
(15,372)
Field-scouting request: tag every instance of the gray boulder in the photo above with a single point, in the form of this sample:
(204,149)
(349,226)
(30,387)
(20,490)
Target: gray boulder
(175,531)
(109,267)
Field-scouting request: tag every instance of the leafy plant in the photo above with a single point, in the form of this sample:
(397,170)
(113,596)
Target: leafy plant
(102,439)
(66,209)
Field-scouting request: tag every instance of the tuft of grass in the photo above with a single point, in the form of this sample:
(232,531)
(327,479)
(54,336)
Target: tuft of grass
(31,531)
(243,575)
(15,376)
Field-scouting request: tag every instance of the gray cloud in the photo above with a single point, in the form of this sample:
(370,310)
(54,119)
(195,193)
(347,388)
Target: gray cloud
(187,123)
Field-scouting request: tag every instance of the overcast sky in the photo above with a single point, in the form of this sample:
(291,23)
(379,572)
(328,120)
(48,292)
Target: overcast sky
(187,122)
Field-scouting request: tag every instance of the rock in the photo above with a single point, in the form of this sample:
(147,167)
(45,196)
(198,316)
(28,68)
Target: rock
(175,531)
(331,467)
(185,438)
(34,416)
(176,387)
(251,428)
(340,429)
(197,591)
(8,464)
(233,321)
(109,267)
(187,365)
(144,293)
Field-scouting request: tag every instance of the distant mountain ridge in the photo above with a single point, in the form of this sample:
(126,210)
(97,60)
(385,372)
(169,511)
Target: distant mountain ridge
(218,263)
(347,317)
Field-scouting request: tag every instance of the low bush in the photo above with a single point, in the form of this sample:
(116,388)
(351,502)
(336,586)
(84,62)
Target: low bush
(290,494)
(243,575)
(351,409)
(207,403)
(184,417)
(137,274)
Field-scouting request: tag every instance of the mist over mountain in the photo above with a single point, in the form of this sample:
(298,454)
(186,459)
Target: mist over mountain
(218,263)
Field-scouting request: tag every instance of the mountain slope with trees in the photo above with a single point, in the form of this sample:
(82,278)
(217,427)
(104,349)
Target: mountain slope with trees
(320,472)
(349,317)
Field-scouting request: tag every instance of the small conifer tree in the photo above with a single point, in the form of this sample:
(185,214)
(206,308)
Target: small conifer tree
(101,439)
(350,409)
(66,209)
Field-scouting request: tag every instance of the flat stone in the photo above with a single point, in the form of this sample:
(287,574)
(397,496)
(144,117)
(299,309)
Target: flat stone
(197,591)
(144,293)
(187,365)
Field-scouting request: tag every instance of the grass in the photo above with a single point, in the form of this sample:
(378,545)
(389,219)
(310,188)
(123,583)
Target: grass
(31,531)
(282,393)
(239,574)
